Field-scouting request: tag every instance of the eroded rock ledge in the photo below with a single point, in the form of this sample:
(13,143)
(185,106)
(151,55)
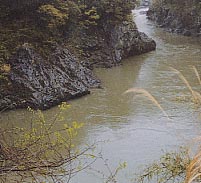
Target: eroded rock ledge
(127,41)
(42,84)
(108,46)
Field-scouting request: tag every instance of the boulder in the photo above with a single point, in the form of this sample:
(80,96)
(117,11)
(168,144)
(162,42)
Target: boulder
(41,84)
(127,41)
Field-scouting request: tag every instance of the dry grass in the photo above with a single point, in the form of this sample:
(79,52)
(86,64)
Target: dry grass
(148,95)
(196,96)
(193,171)
(5,68)
(197,74)
(192,168)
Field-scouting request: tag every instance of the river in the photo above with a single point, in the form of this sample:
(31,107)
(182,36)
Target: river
(131,128)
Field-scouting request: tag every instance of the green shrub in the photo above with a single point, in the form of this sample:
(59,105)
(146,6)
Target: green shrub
(52,16)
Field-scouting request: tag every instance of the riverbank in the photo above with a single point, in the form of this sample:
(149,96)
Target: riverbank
(47,57)
(120,120)
(182,17)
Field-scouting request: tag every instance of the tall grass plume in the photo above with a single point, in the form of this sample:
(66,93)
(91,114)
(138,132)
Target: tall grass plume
(148,95)
(175,167)
(196,96)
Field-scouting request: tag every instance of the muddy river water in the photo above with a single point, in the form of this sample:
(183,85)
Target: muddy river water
(131,128)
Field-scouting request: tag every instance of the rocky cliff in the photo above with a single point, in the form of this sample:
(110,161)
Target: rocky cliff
(41,84)
(107,47)
(183,17)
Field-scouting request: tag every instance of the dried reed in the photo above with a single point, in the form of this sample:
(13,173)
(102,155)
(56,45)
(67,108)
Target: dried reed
(193,171)
(148,95)
(196,96)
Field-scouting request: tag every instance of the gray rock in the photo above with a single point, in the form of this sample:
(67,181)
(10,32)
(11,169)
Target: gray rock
(167,17)
(128,41)
(186,33)
(41,84)
(107,47)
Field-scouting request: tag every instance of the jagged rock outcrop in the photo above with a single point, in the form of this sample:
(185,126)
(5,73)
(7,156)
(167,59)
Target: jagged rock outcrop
(109,46)
(127,41)
(182,18)
(41,84)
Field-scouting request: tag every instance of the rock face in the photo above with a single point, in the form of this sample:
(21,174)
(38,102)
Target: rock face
(107,47)
(127,41)
(42,84)
(182,20)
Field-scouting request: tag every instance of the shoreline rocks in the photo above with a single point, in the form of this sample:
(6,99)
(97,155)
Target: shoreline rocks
(127,41)
(43,83)
(180,20)
(108,46)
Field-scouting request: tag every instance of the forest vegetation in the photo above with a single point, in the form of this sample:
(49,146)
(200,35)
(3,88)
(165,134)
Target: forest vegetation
(45,23)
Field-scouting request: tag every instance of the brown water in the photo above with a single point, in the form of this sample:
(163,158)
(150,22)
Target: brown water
(134,130)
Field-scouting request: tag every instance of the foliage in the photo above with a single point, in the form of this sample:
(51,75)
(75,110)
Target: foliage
(53,16)
(110,175)
(170,168)
(111,11)
(42,152)
(44,23)
(113,174)
(4,70)
(90,17)
(39,153)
